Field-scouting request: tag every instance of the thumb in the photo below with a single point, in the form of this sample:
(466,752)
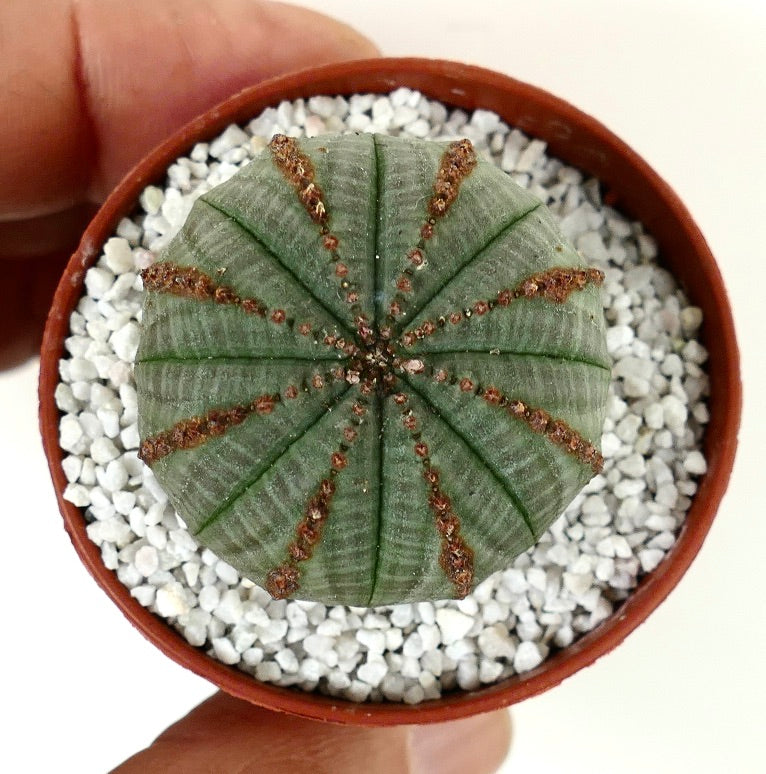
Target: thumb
(87,87)
(226,735)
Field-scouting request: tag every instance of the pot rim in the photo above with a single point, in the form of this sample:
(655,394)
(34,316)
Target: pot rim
(629,183)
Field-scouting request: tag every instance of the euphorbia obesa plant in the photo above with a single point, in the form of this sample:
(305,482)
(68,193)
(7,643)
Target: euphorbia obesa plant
(371,370)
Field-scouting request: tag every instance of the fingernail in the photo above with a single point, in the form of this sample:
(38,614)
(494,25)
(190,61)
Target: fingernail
(478,745)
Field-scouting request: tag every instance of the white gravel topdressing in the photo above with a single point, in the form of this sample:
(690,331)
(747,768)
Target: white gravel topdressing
(616,530)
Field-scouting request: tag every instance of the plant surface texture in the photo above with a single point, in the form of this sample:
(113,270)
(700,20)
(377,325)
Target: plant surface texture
(371,370)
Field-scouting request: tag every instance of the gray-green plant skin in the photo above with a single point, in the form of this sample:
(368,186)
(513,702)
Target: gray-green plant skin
(371,370)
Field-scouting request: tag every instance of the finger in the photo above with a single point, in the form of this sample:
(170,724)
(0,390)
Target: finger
(227,735)
(88,86)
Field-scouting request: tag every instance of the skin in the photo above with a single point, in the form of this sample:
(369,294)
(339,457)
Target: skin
(82,103)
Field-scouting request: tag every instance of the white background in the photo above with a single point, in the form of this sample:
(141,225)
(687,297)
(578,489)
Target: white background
(682,81)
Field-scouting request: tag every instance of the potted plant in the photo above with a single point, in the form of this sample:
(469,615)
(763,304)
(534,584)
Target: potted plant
(571,136)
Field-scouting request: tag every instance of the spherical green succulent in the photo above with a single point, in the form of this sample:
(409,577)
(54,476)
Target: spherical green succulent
(371,370)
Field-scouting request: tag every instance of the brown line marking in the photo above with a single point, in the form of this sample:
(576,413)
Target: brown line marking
(538,420)
(194,431)
(457,162)
(283,580)
(297,167)
(456,556)
(190,282)
(555,285)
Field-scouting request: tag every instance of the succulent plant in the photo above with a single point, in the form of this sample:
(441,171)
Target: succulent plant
(371,370)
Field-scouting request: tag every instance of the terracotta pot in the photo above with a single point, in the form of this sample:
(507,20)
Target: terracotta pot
(629,183)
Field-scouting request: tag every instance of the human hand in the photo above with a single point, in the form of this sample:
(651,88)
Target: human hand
(225,735)
(87,88)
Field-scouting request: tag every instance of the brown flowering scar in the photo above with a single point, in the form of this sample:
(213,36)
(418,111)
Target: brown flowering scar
(284,580)
(457,162)
(455,556)
(298,168)
(189,282)
(555,285)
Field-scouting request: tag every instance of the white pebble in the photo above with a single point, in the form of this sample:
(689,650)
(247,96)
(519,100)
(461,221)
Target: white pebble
(530,156)
(146,596)
(489,671)
(618,336)
(660,523)
(527,657)
(401,615)
(317,645)
(667,495)
(98,281)
(413,646)
(229,609)
(82,370)
(171,601)
(72,466)
(650,558)
(226,573)
(627,429)
(70,433)
(372,671)
(322,106)
(638,277)
(691,319)
(209,597)
(394,639)
(418,128)
(115,477)
(454,625)
(102,450)
(253,656)
(230,138)
(124,341)
(225,651)
(426,612)
(77,494)
(674,414)
(151,199)
(254,613)
(268,671)
(495,642)
(374,641)
(147,560)
(288,662)
(359,691)
(695,463)
(577,583)
(273,631)
(414,694)
(118,256)
(191,572)
(610,444)
(157,535)
(358,122)
(430,636)
(330,627)
(468,675)
(315,126)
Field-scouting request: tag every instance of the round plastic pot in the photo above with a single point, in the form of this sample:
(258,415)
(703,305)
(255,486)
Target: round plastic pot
(629,184)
